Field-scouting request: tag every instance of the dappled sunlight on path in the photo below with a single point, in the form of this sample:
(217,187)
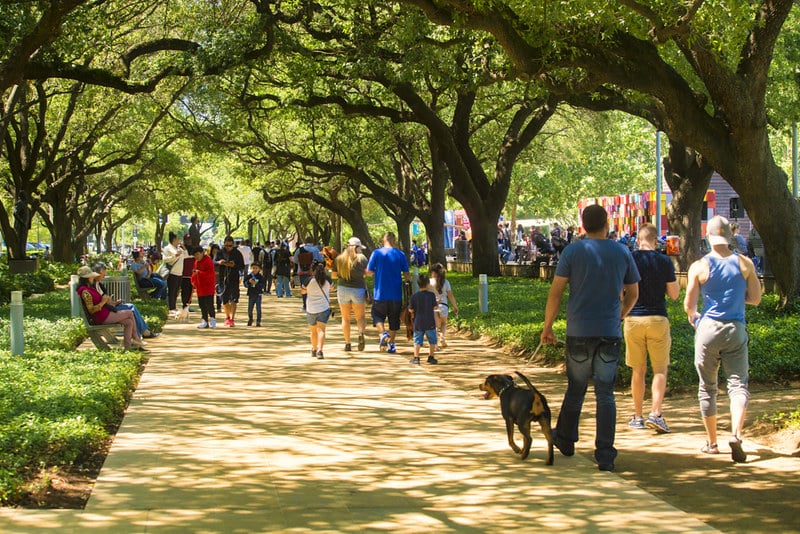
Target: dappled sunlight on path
(240,430)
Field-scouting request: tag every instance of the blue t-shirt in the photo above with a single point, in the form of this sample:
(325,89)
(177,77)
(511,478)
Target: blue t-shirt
(597,270)
(388,264)
(423,302)
(656,271)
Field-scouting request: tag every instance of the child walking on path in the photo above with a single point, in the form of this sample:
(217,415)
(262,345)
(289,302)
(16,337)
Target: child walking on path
(255,283)
(445,300)
(204,281)
(423,306)
(318,308)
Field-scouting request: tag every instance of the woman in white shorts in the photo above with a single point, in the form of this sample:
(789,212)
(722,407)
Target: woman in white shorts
(351,290)
(445,299)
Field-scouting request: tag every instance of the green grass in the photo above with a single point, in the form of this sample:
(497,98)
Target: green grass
(516,317)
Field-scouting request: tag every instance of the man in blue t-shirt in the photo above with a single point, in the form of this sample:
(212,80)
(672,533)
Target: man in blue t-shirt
(647,328)
(390,267)
(598,271)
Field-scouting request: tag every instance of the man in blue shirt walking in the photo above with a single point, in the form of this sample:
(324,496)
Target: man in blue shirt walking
(390,267)
(598,271)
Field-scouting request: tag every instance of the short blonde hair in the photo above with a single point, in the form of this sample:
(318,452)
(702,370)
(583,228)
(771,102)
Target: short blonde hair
(648,232)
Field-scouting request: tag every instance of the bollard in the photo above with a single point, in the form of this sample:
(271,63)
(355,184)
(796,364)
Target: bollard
(17,337)
(483,293)
(74,303)
(415,278)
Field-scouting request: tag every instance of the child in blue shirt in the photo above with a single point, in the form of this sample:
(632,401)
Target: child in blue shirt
(255,283)
(423,307)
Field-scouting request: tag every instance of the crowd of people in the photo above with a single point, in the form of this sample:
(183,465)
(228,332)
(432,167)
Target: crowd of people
(607,282)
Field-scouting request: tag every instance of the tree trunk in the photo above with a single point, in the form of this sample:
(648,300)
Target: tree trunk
(485,259)
(403,221)
(688,176)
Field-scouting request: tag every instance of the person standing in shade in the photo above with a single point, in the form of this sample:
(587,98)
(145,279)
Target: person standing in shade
(352,291)
(283,271)
(598,271)
(647,329)
(390,267)
(194,232)
(727,281)
(174,253)
(230,263)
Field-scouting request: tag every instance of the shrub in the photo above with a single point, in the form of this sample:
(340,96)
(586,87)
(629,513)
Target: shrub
(57,407)
(516,318)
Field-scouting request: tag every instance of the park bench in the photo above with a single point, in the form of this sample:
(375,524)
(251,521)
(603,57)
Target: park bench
(144,292)
(102,335)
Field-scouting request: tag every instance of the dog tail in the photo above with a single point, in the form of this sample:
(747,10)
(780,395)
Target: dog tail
(539,404)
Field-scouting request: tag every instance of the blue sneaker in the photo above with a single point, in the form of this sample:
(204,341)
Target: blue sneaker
(383,344)
(636,422)
(657,423)
(392,349)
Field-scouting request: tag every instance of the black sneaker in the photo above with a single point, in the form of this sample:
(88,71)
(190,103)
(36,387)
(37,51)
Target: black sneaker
(567,449)
(737,453)
(250,322)
(362,342)
(432,360)
(313,353)
(319,355)
(347,347)
(414,361)
(606,467)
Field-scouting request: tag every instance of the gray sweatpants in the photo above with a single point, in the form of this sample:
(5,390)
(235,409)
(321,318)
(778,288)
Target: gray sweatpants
(715,343)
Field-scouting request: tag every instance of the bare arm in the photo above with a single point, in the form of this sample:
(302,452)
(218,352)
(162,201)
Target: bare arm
(693,291)
(630,295)
(752,294)
(452,300)
(673,290)
(552,308)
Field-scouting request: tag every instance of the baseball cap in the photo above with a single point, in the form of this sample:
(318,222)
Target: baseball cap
(718,231)
(354,242)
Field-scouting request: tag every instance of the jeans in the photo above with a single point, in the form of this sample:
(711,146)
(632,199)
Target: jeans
(254,301)
(282,288)
(596,358)
(141,326)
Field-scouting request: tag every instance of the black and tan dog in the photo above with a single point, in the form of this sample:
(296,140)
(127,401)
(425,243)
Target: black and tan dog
(520,406)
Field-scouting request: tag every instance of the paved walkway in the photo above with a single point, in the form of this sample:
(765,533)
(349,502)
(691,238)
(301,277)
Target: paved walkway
(240,430)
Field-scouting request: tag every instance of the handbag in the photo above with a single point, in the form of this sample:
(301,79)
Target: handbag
(164,269)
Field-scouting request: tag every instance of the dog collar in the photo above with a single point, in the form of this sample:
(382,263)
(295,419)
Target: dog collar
(503,390)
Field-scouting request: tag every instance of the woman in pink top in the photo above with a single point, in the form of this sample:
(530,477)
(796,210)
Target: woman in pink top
(100,311)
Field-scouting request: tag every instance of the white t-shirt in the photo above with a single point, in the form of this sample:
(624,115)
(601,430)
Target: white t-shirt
(247,254)
(317,298)
(441,298)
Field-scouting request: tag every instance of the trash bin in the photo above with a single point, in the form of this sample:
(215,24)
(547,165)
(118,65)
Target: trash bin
(462,250)
(119,286)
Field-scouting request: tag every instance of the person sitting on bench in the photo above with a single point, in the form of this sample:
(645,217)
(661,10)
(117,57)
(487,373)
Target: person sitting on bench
(99,310)
(141,325)
(146,278)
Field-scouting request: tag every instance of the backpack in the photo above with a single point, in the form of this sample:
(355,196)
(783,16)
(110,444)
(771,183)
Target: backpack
(266,259)
(257,256)
(305,259)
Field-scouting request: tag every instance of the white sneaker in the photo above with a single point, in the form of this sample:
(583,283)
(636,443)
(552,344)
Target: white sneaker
(213,323)
(203,324)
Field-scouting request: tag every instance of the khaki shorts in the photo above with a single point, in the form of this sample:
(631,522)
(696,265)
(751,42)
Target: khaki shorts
(647,334)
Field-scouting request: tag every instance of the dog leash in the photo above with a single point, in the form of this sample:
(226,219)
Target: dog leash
(532,356)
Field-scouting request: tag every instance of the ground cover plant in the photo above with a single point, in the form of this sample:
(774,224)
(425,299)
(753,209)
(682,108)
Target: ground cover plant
(516,316)
(58,405)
